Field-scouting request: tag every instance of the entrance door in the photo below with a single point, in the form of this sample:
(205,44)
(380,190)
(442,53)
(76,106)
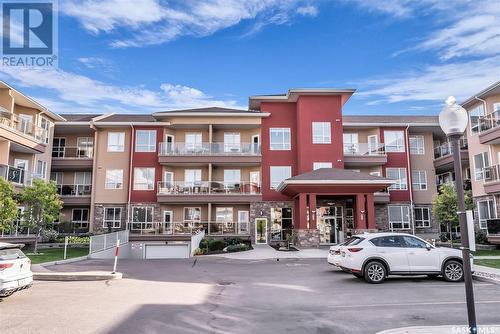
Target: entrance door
(168,220)
(255,144)
(261,230)
(331,224)
(372,144)
(169,142)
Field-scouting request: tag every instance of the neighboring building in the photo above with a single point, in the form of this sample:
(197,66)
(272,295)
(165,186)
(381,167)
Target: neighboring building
(483,134)
(26,130)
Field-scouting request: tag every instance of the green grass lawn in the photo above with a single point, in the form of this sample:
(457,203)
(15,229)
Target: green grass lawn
(481,252)
(488,263)
(54,254)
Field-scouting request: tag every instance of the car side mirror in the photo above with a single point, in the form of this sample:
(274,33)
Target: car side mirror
(429,247)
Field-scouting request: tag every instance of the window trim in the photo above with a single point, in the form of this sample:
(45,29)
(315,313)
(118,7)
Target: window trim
(424,224)
(399,179)
(484,165)
(81,223)
(418,185)
(391,227)
(323,163)
(480,105)
(422,152)
(106,183)
(120,148)
(491,214)
(399,150)
(286,146)
(271,174)
(152,182)
(149,147)
(325,139)
(104,220)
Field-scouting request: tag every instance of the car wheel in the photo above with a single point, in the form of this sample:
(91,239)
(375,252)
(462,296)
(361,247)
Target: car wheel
(375,272)
(5,295)
(453,271)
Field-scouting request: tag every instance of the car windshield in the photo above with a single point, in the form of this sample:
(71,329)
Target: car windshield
(11,254)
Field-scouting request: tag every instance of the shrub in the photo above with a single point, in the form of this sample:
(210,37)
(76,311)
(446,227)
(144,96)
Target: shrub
(49,235)
(236,248)
(216,245)
(199,251)
(233,241)
(481,237)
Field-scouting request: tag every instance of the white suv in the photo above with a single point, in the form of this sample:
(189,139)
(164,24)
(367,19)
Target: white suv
(15,271)
(374,256)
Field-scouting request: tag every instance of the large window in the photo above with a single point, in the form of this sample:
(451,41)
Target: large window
(192,215)
(321,133)
(224,215)
(399,217)
(80,218)
(394,141)
(318,165)
(116,141)
(351,145)
(232,177)
(417,144)
(232,142)
(280,139)
(475,114)
(243,222)
(142,217)
(85,147)
(41,169)
(398,174)
(281,223)
(481,161)
(486,210)
(114,179)
(58,147)
(145,141)
(419,179)
(193,141)
(192,176)
(45,124)
(112,217)
(278,174)
(144,178)
(422,217)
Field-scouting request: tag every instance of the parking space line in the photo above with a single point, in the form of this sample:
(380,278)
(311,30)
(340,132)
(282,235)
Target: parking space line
(412,304)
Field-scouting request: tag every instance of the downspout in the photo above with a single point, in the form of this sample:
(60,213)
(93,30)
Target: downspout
(129,213)
(410,183)
(94,174)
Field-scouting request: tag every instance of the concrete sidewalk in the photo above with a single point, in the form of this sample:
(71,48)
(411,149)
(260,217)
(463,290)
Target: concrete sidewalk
(490,329)
(41,273)
(486,274)
(266,252)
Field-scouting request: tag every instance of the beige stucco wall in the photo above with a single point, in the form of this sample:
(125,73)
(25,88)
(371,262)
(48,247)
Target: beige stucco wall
(218,172)
(5,99)
(111,160)
(425,162)
(363,133)
(245,134)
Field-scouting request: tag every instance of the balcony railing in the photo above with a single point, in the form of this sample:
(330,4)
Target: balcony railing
(23,126)
(207,188)
(446,149)
(74,189)
(189,228)
(489,121)
(491,173)
(70,152)
(364,149)
(18,175)
(201,149)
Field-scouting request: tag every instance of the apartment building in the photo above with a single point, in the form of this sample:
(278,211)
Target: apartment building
(26,130)
(483,134)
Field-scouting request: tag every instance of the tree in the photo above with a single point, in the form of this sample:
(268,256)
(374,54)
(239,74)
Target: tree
(445,206)
(41,206)
(8,205)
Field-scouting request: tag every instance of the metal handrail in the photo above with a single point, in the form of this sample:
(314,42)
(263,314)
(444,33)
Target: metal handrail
(206,187)
(23,126)
(74,190)
(72,152)
(201,149)
(489,121)
(364,149)
(446,149)
(213,228)
(18,175)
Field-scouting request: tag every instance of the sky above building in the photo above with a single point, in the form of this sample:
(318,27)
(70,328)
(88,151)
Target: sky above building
(141,56)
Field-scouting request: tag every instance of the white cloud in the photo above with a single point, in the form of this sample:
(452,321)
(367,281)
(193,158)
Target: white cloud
(149,22)
(76,92)
(433,83)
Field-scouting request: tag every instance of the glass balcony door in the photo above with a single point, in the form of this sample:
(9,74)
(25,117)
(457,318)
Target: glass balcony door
(232,142)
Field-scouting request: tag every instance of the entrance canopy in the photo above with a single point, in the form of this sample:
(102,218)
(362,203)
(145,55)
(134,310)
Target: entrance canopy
(333,181)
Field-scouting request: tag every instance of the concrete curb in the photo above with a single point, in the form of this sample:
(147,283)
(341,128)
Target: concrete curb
(486,277)
(76,276)
(53,263)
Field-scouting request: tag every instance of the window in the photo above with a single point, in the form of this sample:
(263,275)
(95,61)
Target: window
(481,161)
(321,132)
(192,176)
(144,178)
(41,169)
(318,165)
(398,174)
(375,173)
(419,179)
(114,179)
(351,143)
(83,178)
(243,222)
(145,141)
(192,215)
(399,217)
(85,147)
(496,107)
(281,223)
(112,217)
(486,210)
(422,217)
(57,177)
(142,217)
(279,139)
(412,242)
(116,141)
(394,141)
(389,241)
(193,141)
(45,124)
(58,145)
(417,145)
(475,114)
(80,218)
(232,177)
(278,174)
(224,215)
(232,142)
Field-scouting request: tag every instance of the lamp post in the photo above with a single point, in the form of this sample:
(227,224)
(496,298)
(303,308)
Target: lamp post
(453,121)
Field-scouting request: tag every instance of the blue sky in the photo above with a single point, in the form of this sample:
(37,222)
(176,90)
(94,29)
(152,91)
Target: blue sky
(402,56)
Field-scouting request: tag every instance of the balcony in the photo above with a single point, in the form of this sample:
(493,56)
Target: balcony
(443,156)
(22,131)
(489,128)
(18,176)
(75,194)
(208,191)
(382,197)
(364,154)
(491,179)
(72,158)
(189,228)
(179,153)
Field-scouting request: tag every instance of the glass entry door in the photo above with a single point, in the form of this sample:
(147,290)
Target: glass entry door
(330,223)
(261,230)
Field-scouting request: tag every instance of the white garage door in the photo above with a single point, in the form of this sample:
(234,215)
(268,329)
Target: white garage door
(179,251)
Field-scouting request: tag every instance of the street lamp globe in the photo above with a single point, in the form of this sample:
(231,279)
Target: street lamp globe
(453,118)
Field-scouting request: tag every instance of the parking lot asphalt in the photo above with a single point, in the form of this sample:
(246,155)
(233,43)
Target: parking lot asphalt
(215,295)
